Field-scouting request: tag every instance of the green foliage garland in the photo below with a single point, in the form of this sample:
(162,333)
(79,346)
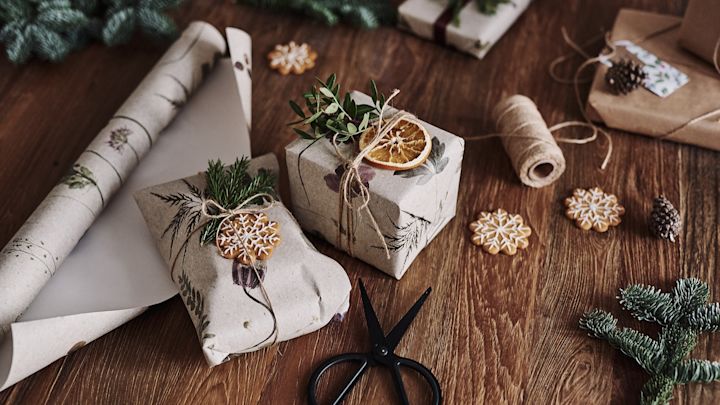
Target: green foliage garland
(328,117)
(683,314)
(362,13)
(50,29)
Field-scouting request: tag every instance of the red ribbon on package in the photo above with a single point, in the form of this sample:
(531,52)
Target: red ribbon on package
(440,25)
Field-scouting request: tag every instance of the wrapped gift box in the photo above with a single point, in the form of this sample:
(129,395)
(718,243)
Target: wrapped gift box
(411,207)
(646,113)
(474,33)
(700,31)
(223,296)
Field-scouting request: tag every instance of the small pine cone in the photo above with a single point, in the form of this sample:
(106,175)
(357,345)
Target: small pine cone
(665,220)
(625,76)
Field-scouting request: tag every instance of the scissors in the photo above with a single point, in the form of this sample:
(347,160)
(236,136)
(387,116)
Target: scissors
(382,354)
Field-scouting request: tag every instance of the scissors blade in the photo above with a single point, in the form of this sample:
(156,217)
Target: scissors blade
(393,338)
(377,336)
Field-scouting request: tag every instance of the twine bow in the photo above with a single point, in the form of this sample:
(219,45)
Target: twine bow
(351,183)
(224,213)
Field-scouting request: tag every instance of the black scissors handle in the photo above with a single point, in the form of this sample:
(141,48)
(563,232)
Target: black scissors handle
(365,359)
(362,358)
(423,371)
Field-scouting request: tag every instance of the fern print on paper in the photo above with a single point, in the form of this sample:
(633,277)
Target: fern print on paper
(195,302)
(435,164)
(408,237)
(189,212)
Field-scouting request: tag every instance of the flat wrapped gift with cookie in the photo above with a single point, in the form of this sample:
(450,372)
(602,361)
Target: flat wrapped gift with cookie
(385,217)
(246,273)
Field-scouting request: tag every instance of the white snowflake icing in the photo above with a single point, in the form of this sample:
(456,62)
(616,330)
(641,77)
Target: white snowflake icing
(292,58)
(500,232)
(594,209)
(247,237)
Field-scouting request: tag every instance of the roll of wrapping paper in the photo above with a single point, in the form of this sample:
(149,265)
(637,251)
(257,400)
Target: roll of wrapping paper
(535,156)
(31,257)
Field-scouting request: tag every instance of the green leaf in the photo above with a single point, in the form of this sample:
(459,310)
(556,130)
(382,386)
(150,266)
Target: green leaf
(18,49)
(331,109)
(694,370)
(373,91)
(48,44)
(352,128)
(312,117)
(327,93)
(295,107)
(364,122)
(648,303)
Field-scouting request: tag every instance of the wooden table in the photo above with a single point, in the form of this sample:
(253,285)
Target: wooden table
(496,329)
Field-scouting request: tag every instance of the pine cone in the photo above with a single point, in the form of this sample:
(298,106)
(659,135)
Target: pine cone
(624,76)
(665,220)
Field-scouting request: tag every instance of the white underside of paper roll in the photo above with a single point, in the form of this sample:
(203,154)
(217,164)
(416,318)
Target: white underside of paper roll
(115,270)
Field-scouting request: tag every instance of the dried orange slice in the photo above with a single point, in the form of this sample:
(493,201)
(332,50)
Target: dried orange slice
(406,146)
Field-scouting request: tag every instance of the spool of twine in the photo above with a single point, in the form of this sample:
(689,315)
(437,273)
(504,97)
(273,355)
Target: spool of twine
(535,155)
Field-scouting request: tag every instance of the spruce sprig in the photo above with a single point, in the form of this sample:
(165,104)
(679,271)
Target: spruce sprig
(683,313)
(327,116)
(232,185)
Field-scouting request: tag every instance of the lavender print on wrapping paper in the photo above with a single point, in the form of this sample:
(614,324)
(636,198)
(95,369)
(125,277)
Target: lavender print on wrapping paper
(434,164)
(332,180)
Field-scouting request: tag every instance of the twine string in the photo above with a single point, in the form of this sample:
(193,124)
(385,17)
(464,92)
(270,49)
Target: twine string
(611,50)
(223,213)
(351,182)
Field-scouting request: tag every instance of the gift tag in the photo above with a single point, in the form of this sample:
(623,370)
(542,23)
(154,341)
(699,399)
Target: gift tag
(663,79)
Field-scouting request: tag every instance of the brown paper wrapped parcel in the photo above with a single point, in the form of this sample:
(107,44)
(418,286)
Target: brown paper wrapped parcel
(700,31)
(224,298)
(474,33)
(410,207)
(645,113)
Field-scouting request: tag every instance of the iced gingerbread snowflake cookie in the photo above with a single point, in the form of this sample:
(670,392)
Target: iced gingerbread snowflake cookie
(247,237)
(500,232)
(292,57)
(594,209)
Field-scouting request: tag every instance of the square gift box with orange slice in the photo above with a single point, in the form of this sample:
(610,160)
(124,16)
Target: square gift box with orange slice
(401,195)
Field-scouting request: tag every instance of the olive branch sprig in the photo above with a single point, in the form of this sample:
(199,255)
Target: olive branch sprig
(327,117)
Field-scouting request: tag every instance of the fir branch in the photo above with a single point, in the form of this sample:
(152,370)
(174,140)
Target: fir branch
(363,13)
(706,318)
(232,185)
(683,314)
(693,370)
(657,391)
(648,303)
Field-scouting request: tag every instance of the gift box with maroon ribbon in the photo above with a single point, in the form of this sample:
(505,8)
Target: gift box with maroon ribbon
(462,24)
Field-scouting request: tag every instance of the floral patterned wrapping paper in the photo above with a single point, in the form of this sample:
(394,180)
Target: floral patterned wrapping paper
(411,207)
(31,257)
(646,113)
(223,297)
(475,34)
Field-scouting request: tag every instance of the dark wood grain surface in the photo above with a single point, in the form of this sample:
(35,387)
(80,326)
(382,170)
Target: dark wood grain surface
(496,329)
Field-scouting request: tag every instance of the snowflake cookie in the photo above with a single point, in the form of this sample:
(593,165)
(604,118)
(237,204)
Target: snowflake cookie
(247,237)
(292,57)
(594,209)
(500,232)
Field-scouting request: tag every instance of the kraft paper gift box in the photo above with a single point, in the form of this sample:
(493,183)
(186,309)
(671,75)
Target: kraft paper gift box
(474,32)
(224,297)
(411,207)
(700,30)
(667,118)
